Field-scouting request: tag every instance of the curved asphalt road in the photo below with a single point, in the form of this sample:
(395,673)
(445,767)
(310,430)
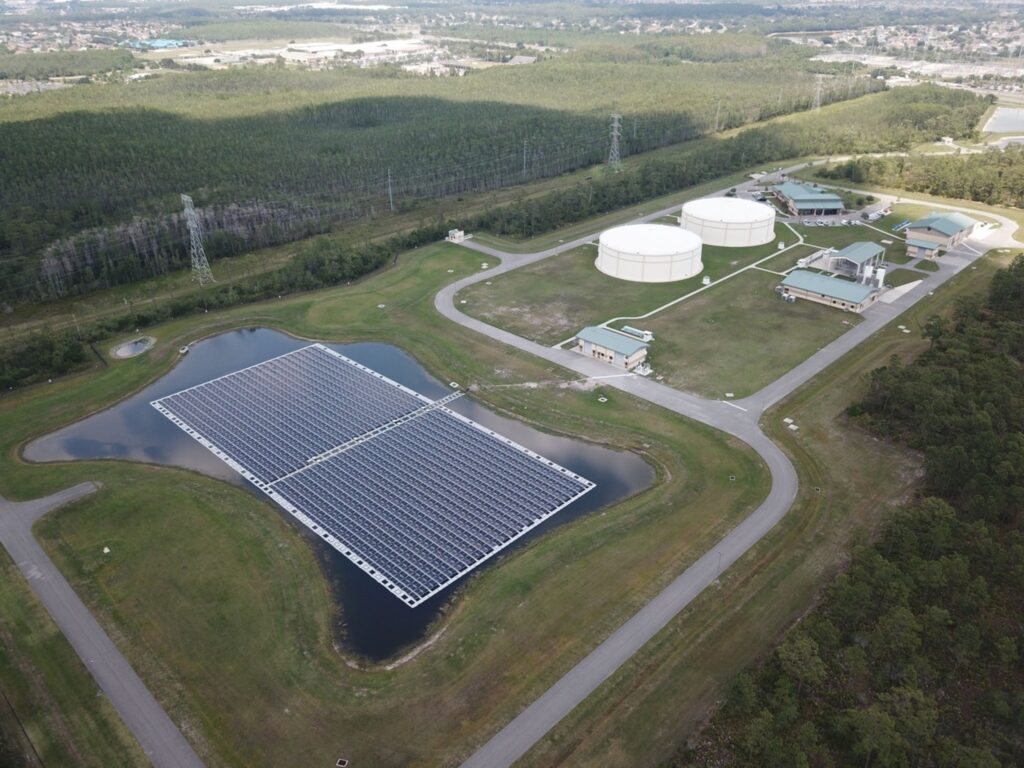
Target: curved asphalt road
(156,733)
(164,744)
(740,419)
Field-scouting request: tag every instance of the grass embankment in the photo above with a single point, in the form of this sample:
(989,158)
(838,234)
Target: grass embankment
(52,713)
(848,482)
(550,300)
(229,622)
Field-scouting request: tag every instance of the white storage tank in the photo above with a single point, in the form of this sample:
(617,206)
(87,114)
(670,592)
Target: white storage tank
(649,253)
(730,222)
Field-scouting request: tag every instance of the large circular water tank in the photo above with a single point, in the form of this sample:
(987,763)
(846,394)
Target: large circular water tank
(729,221)
(649,253)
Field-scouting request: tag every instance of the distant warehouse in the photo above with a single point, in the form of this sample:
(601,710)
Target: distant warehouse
(831,291)
(807,200)
(939,231)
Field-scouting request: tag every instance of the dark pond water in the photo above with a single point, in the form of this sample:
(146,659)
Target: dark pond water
(374,623)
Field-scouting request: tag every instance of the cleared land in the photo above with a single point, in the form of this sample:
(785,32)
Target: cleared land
(552,299)
(739,336)
(252,588)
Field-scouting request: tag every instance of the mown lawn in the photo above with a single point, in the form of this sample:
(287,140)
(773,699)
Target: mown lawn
(221,607)
(739,336)
(550,300)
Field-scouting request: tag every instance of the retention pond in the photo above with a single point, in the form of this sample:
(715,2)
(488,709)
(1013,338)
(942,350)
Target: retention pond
(373,623)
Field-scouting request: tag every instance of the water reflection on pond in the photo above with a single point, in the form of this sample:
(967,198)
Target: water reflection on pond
(376,624)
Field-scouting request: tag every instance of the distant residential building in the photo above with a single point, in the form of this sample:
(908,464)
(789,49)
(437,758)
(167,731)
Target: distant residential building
(939,231)
(828,290)
(610,347)
(807,200)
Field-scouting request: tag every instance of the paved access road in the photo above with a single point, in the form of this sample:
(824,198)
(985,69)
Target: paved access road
(740,419)
(156,733)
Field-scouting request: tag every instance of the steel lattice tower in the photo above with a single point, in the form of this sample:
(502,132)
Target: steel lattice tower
(817,92)
(614,161)
(200,266)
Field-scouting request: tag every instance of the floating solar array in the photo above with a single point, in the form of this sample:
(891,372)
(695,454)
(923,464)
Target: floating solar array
(410,491)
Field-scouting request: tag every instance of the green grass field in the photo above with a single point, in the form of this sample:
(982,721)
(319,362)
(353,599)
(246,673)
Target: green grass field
(739,336)
(898,277)
(51,711)
(230,574)
(926,265)
(550,300)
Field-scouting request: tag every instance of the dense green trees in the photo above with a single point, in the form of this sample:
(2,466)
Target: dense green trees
(319,262)
(40,66)
(92,179)
(995,177)
(889,121)
(916,654)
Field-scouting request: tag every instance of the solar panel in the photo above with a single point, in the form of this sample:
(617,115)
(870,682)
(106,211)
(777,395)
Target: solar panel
(412,492)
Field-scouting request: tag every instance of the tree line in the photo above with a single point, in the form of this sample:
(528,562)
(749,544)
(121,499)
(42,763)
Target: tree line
(994,177)
(319,263)
(83,179)
(41,66)
(895,120)
(915,656)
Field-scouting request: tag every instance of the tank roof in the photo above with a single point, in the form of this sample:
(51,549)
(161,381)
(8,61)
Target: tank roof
(729,210)
(651,240)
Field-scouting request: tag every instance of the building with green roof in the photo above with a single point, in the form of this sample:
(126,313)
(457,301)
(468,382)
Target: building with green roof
(807,200)
(938,231)
(859,260)
(611,347)
(828,290)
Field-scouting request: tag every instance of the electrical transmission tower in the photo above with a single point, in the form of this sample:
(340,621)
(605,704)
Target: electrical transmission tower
(200,266)
(817,92)
(614,161)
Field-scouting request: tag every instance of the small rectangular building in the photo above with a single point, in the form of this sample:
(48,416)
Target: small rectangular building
(858,260)
(610,347)
(807,200)
(939,231)
(831,291)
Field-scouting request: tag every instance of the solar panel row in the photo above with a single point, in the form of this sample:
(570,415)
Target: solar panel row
(307,402)
(432,497)
(413,493)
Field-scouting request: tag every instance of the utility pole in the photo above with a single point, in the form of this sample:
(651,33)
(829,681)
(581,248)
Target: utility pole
(200,266)
(614,161)
(524,159)
(817,92)
(718,111)
(391,197)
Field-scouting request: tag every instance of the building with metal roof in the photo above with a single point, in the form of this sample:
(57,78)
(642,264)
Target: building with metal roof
(828,290)
(938,231)
(859,260)
(807,200)
(611,347)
